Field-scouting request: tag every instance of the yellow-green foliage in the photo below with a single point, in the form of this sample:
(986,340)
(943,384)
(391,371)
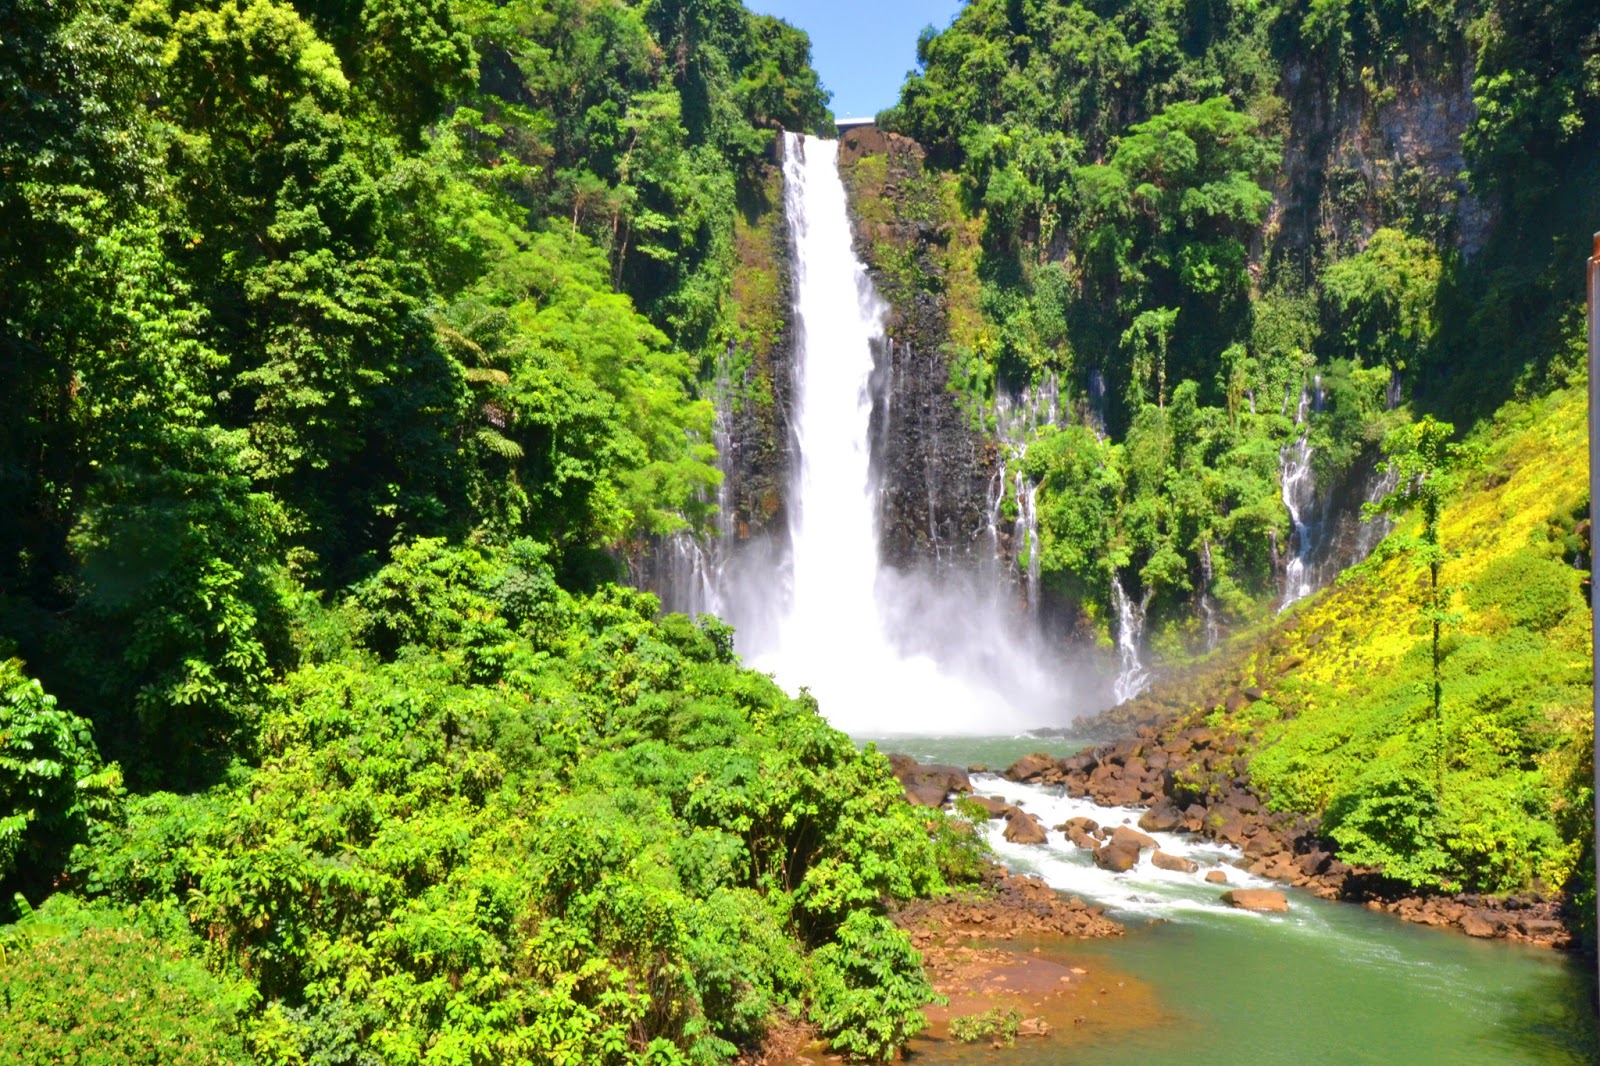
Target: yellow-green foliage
(759,308)
(1347,729)
(80,984)
(961,256)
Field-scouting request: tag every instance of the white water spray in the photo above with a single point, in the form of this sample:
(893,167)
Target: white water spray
(1300,497)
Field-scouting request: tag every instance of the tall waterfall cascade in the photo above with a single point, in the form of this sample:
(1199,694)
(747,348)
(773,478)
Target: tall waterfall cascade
(887,650)
(883,652)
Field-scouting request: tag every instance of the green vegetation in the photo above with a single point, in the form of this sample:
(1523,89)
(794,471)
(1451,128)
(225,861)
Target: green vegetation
(1465,762)
(514,823)
(350,349)
(995,1025)
(1195,214)
(85,984)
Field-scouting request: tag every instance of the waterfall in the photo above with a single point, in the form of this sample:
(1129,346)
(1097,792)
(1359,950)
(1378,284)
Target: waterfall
(1132,678)
(1208,610)
(884,652)
(1381,482)
(1018,417)
(1300,498)
(689,573)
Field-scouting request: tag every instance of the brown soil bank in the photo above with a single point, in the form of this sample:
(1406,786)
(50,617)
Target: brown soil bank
(999,949)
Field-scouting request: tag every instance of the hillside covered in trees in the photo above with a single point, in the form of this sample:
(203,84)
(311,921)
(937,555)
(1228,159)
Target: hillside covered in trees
(347,349)
(1228,226)
(1254,242)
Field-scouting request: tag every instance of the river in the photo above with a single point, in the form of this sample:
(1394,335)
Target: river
(1326,983)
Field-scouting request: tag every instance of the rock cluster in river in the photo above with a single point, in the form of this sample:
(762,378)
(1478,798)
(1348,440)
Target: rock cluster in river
(1196,780)
(1011,906)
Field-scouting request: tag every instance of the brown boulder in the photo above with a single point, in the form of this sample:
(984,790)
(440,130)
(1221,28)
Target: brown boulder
(1123,834)
(1479,924)
(1174,862)
(1031,767)
(1216,877)
(1315,863)
(1082,838)
(1088,825)
(928,785)
(926,795)
(1162,818)
(1023,828)
(996,806)
(1256,899)
(1117,857)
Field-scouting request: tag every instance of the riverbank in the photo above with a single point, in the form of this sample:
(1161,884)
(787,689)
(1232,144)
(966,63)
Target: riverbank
(1324,981)
(1196,780)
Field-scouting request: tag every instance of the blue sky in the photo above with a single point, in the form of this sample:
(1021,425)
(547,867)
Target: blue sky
(862,48)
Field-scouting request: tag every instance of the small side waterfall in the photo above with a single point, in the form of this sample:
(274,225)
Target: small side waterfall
(1132,677)
(1208,610)
(1370,532)
(689,574)
(1300,498)
(1017,418)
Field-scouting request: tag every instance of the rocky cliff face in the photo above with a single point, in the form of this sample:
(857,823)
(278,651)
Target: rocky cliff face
(752,386)
(756,380)
(1371,156)
(932,463)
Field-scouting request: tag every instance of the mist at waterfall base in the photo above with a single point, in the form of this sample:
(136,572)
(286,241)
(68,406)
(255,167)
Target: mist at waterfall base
(884,652)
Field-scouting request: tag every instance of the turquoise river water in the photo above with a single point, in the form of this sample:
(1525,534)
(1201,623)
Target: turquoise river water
(1326,983)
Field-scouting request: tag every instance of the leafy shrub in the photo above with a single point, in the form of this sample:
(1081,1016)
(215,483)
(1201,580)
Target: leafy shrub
(52,783)
(994,1024)
(870,988)
(81,984)
(1531,590)
(1389,820)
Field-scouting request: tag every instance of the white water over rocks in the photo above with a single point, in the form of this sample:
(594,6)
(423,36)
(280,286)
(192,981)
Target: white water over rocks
(1146,889)
(883,652)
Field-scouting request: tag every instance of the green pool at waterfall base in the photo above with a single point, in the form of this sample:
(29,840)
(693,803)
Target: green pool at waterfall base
(995,753)
(1328,983)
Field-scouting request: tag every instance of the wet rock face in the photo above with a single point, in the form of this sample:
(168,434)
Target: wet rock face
(931,466)
(1353,161)
(759,401)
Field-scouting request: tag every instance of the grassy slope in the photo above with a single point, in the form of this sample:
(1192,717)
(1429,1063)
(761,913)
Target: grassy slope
(1333,696)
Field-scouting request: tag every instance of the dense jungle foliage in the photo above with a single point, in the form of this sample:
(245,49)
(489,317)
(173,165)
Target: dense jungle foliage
(346,348)
(1469,768)
(1198,217)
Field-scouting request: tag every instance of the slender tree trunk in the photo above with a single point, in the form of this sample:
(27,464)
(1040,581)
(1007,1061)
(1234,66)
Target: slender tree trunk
(1438,685)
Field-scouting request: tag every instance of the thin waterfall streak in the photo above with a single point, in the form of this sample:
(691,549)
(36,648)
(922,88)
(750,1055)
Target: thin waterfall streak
(1132,678)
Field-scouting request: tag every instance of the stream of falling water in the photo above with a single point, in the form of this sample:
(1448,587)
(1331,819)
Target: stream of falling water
(883,652)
